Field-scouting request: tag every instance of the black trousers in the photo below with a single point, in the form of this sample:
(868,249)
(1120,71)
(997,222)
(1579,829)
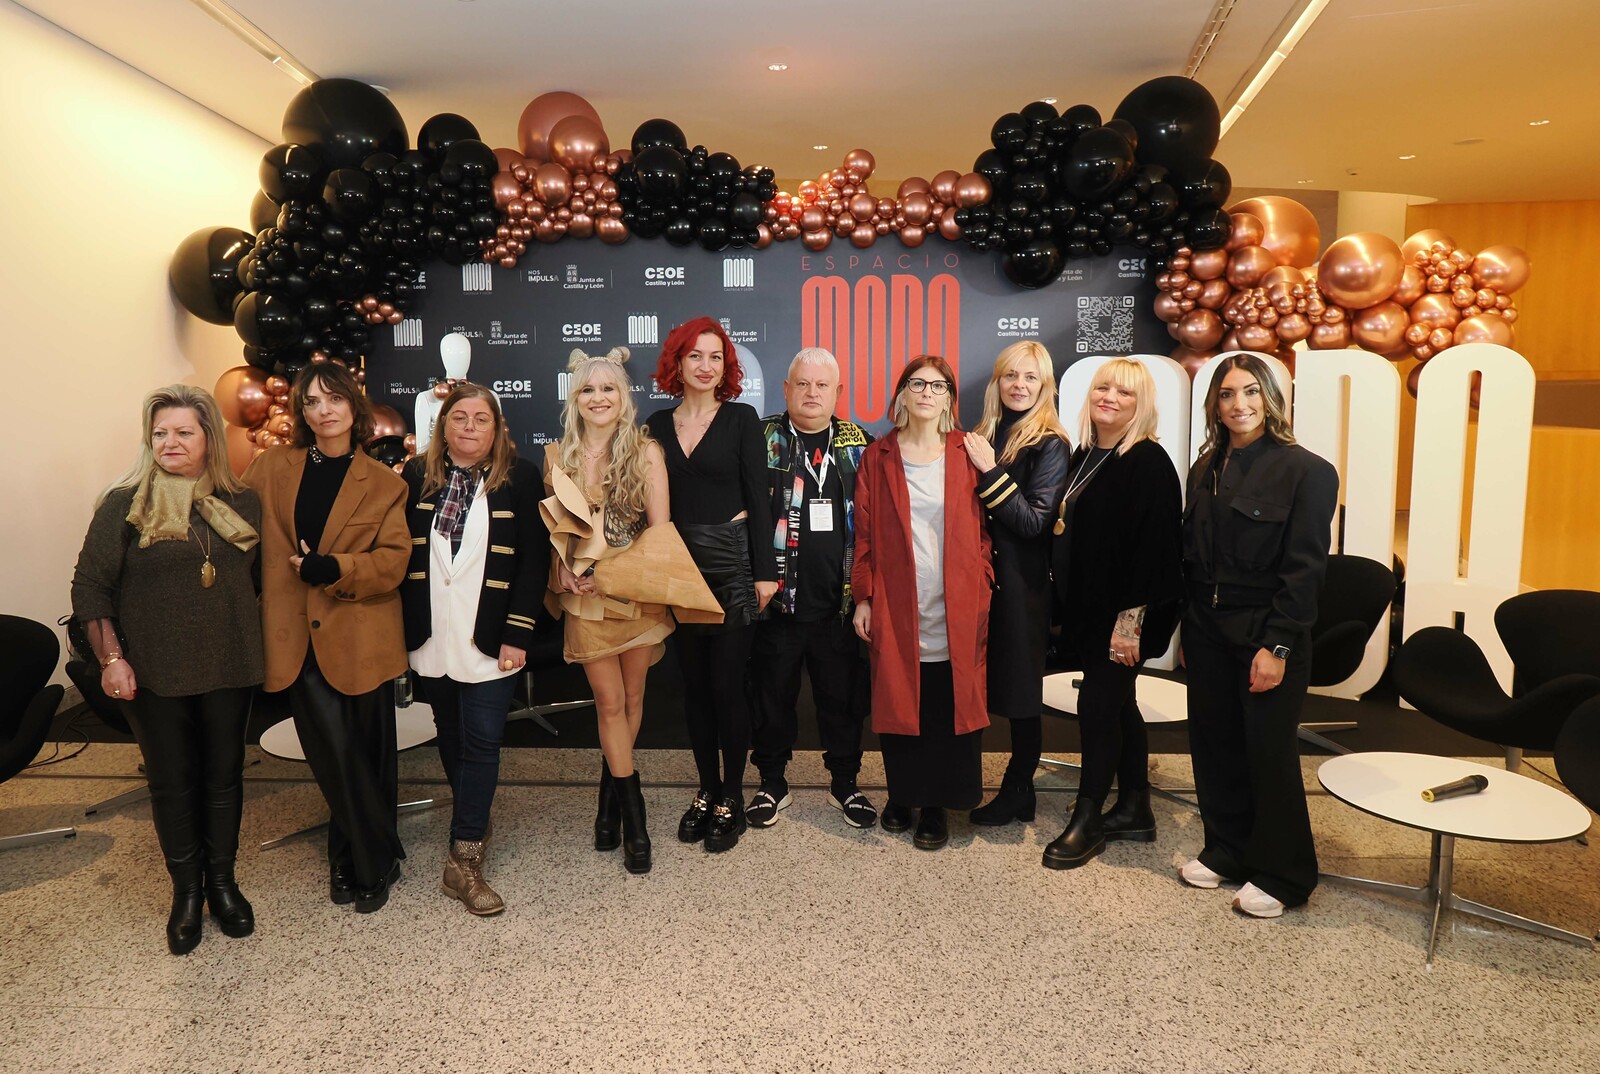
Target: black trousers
(1247,764)
(714,662)
(1114,741)
(350,745)
(193,749)
(830,652)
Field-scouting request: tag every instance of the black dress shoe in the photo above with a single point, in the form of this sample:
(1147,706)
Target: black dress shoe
(1014,801)
(933,831)
(341,885)
(184,923)
(229,908)
(373,899)
(1131,819)
(1082,840)
(692,826)
(727,825)
(895,817)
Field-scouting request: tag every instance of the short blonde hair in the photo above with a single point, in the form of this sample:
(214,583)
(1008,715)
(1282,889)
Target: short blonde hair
(209,415)
(1131,376)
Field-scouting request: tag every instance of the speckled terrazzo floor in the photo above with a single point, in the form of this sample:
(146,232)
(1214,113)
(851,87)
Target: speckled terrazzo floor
(811,947)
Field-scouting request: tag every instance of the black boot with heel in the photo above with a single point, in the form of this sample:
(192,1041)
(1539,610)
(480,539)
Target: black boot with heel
(1083,839)
(635,837)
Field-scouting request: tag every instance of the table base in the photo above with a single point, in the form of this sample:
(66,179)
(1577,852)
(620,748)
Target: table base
(1438,891)
(1174,795)
(403,807)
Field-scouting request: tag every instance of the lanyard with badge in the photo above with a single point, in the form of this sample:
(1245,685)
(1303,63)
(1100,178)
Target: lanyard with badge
(820,518)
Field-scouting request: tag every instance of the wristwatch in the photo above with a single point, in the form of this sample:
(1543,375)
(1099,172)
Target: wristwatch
(1281,652)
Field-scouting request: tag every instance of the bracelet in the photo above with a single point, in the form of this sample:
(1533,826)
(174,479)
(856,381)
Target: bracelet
(112,659)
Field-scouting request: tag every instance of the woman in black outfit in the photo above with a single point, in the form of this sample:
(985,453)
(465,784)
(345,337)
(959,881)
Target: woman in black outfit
(1019,491)
(1119,581)
(717,476)
(1255,548)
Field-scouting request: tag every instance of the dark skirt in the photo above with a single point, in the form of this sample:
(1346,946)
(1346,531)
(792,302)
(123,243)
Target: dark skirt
(937,767)
(722,552)
(1019,638)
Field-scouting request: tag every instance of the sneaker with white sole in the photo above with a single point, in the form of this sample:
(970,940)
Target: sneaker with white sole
(762,812)
(1198,876)
(858,810)
(1257,903)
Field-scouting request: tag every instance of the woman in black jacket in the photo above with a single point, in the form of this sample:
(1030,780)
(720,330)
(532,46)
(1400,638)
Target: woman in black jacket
(1118,577)
(480,554)
(1255,547)
(1019,491)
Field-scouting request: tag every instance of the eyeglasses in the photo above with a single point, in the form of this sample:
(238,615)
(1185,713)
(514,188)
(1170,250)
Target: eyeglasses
(938,387)
(459,420)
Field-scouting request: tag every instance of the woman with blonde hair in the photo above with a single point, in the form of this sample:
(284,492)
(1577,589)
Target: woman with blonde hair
(167,566)
(479,557)
(1118,580)
(1020,451)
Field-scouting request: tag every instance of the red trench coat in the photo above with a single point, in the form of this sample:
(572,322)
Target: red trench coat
(885,572)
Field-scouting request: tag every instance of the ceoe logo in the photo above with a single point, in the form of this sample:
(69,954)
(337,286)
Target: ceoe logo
(580,329)
(674,272)
(1131,264)
(513,385)
(1018,324)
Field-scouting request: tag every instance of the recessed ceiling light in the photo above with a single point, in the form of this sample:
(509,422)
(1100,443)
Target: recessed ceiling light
(819,147)
(1408,156)
(1049,100)
(1470,141)
(777,67)
(1538,123)
(1304,181)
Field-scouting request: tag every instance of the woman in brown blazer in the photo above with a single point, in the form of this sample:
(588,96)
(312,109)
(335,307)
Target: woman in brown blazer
(334,549)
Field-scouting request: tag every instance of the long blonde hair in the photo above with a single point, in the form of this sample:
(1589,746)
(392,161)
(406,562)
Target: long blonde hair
(501,455)
(1041,420)
(1277,420)
(1134,377)
(174,397)
(626,483)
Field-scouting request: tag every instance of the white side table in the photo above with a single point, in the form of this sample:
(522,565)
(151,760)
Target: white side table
(1161,701)
(1512,809)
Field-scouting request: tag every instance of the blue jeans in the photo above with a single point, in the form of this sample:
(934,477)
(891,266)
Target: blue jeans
(470,718)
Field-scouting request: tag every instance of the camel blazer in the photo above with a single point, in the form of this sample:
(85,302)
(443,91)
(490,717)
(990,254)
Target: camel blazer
(354,625)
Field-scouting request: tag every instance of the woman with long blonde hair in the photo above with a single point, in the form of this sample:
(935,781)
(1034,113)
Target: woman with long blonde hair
(479,557)
(1020,451)
(605,485)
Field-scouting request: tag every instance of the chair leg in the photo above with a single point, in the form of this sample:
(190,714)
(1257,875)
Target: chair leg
(537,713)
(1308,735)
(138,794)
(1513,758)
(28,839)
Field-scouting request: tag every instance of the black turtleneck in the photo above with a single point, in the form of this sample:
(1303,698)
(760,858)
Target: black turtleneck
(319,487)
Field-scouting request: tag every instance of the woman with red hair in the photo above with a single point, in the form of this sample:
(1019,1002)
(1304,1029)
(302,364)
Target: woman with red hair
(717,476)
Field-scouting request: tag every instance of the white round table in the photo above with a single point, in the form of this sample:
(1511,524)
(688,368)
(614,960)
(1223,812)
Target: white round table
(1512,809)
(1161,701)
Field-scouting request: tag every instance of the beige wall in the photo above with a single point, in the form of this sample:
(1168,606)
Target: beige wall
(105,172)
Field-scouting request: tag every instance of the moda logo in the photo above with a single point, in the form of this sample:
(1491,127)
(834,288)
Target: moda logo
(738,273)
(666,276)
(476,277)
(408,333)
(563,386)
(580,332)
(643,329)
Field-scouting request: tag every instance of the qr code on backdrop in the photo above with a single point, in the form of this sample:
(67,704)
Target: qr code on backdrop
(1105,324)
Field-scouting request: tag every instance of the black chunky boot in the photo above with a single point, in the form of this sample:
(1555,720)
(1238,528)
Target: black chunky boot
(1131,819)
(188,907)
(608,818)
(635,836)
(933,829)
(1014,801)
(1083,839)
(229,908)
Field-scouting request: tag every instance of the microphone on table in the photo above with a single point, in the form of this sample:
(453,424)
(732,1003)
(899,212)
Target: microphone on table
(1473,784)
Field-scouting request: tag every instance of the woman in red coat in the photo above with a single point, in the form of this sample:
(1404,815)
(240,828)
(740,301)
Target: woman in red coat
(921,581)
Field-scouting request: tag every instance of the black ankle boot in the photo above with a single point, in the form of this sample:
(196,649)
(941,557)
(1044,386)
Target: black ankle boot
(229,908)
(635,837)
(933,829)
(1014,801)
(608,819)
(188,907)
(1131,819)
(1083,839)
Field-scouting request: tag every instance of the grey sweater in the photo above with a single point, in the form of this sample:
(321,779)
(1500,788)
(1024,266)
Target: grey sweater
(181,638)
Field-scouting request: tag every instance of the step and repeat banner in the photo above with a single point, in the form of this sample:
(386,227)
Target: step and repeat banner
(873,308)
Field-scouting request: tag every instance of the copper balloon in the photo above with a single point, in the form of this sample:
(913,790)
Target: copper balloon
(242,395)
(1192,360)
(1435,311)
(816,240)
(1289,232)
(1502,268)
(387,421)
(508,158)
(1380,328)
(914,184)
(1360,270)
(581,226)
(972,189)
(918,207)
(864,235)
(1245,229)
(1484,329)
(506,191)
(948,228)
(1254,337)
(1293,328)
(542,114)
(862,206)
(860,161)
(944,185)
(814,219)
(1248,265)
(1413,285)
(554,183)
(1213,294)
(913,234)
(1200,330)
(612,229)
(1208,264)
(1285,275)
(576,140)
(1421,242)
(763,236)
(1330,337)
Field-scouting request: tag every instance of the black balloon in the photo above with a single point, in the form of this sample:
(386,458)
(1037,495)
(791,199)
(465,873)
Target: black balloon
(1127,130)
(1034,264)
(290,171)
(1206,188)
(1160,203)
(1177,119)
(654,132)
(991,164)
(349,193)
(346,121)
(443,131)
(204,272)
(389,450)
(1078,120)
(745,213)
(267,321)
(680,232)
(723,168)
(1208,229)
(1097,164)
(263,211)
(1037,112)
(1030,186)
(1009,133)
(713,234)
(659,173)
(467,159)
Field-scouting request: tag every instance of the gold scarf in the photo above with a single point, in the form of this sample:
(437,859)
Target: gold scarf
(160,511)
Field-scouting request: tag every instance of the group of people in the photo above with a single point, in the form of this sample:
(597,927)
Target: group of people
(917,579)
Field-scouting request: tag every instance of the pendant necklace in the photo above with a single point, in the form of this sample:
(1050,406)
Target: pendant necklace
(208,573)
(1082,479)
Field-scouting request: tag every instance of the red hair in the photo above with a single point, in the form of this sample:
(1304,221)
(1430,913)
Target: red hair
(680,341)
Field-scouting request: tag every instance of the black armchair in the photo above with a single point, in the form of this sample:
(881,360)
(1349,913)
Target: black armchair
(1578,753)
(1553,637)
(28,703)
(1356,596)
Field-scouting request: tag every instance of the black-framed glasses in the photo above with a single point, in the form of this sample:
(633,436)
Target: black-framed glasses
(938,387)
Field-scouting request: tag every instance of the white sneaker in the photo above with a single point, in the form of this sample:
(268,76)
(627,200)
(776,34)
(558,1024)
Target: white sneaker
(1257,903)
(1198,876)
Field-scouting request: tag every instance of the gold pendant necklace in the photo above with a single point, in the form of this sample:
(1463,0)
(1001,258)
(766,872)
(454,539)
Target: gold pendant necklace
(208,573)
